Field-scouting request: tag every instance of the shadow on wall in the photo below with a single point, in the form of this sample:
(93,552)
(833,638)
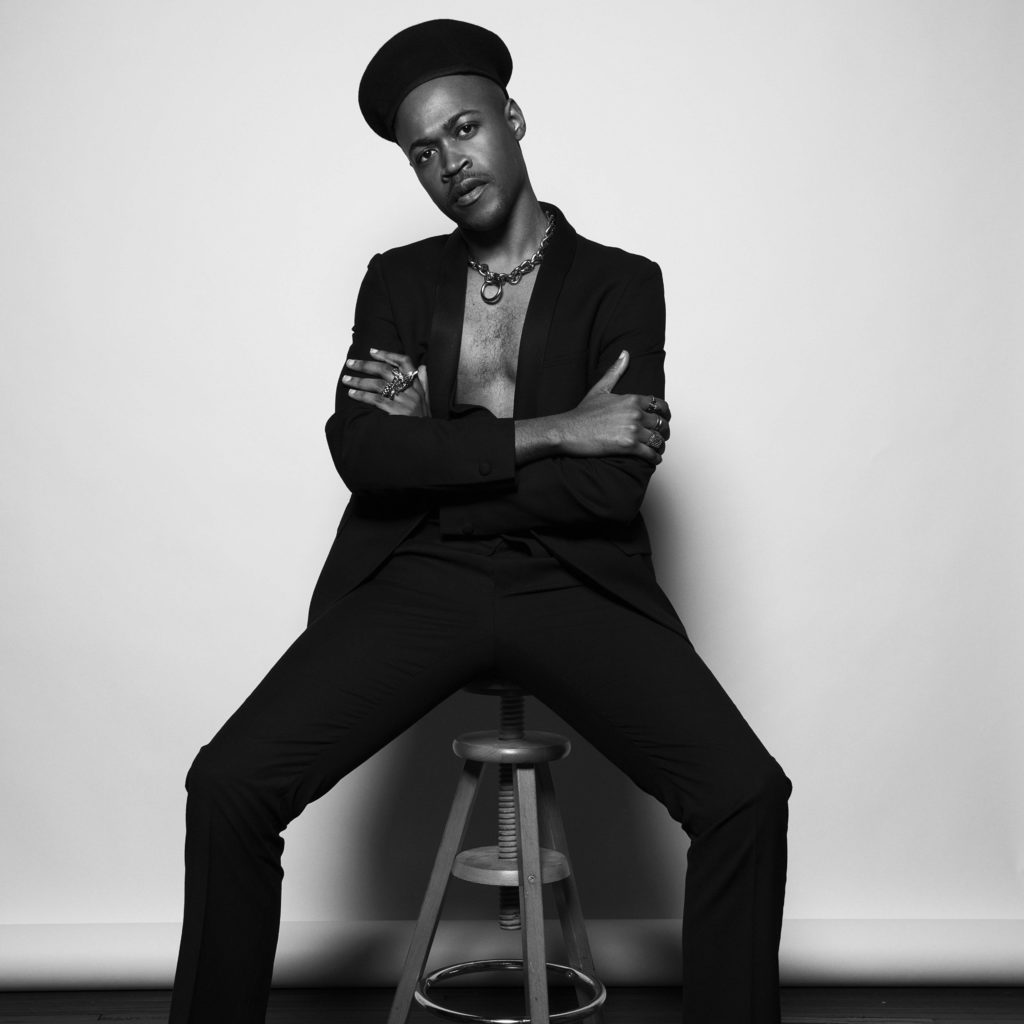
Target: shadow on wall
(628,855)
(621,870)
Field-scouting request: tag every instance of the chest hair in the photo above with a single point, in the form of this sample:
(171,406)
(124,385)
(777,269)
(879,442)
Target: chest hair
(490,347)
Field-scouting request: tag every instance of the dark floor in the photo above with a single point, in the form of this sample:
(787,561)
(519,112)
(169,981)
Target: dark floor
(625,1006)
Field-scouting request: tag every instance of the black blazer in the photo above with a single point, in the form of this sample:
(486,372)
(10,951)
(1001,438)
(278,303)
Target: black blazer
(589,302)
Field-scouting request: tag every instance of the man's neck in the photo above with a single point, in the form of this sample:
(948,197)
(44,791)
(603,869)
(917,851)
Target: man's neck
(516,240)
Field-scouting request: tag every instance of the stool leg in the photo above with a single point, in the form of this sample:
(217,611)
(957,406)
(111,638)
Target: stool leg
(430,912)
(531,886)
(567,899)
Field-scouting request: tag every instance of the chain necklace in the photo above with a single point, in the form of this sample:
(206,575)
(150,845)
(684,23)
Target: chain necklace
(493,287)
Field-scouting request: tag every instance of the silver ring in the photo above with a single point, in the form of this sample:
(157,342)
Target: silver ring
(406,380)
(652,405)
(399,382)
(659,425)
(656,441)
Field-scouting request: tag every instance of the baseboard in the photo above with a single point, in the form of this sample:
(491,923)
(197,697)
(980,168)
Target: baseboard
(627,952)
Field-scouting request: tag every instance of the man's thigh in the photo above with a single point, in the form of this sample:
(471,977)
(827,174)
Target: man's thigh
(366,669)
(641,694)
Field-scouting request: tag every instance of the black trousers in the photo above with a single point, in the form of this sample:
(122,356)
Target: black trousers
(463,610)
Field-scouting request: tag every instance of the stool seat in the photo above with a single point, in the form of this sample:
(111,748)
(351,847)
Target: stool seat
(531,748)
(485,866)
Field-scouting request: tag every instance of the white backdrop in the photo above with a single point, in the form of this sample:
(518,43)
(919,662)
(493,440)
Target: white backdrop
(188,198)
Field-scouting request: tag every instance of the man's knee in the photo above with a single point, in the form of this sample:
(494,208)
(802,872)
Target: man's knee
(762,784)
(762,788)
(235,780)
(216,772)
(773,786)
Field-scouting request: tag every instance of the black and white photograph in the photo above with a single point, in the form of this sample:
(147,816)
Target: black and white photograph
(512,515)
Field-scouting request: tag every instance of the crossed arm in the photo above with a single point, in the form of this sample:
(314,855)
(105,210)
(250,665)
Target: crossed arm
(586,466)
(602,424)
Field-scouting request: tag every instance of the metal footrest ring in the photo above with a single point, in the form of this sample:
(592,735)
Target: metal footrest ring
(595,990)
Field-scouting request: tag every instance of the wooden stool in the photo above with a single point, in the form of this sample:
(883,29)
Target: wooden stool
(527,817)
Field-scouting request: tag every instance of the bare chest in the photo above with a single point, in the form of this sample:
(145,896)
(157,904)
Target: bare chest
(489,352)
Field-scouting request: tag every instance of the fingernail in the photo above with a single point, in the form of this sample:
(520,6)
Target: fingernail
(350,362)
(352,391)
(345,379)
(622,354)
(374,351)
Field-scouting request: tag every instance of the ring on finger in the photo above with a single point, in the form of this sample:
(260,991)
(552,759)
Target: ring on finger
(659,425)
(652,405)
(398,383)
(656,441)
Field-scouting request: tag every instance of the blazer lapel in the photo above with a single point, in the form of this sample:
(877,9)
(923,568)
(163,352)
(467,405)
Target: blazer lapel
(550,278)
(446,327)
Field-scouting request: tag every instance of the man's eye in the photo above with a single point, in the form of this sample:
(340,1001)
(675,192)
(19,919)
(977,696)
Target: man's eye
(465,131)
(422,157)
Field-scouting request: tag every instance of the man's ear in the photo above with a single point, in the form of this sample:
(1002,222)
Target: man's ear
(514,118)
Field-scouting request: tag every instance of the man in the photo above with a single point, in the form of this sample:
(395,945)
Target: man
(497,422)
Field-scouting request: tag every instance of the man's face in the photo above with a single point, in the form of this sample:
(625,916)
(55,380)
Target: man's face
(461,137)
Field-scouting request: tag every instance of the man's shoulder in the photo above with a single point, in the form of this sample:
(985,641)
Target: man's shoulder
(413,256)
(611,261)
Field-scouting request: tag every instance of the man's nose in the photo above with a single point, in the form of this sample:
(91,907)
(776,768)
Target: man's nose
(454,161)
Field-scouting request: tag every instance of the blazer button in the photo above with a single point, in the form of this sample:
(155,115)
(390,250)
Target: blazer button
(467,529)
(485,468)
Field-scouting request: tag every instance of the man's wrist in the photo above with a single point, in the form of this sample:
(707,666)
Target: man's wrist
(538,438)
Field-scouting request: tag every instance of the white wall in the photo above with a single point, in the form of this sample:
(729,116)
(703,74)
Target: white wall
(187,200)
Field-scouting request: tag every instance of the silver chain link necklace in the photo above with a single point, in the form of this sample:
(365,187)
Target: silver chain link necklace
(493,287)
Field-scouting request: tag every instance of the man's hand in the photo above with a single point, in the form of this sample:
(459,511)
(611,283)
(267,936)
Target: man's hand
(380,371)
(607,424)
(602,424)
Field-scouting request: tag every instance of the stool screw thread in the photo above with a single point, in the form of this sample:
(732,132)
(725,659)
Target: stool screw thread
(513,716)
(512,723)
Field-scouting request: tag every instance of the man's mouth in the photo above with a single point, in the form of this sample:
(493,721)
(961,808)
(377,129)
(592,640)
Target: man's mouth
(467,191)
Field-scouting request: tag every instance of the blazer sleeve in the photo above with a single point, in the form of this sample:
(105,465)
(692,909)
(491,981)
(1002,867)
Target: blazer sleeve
(380,454)
(564,491)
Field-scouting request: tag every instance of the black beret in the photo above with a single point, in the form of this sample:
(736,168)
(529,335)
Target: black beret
(421,53)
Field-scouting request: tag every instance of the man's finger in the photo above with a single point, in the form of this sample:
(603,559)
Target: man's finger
(369,397)
(644,451)
(422,371)
(650,439)
(362,383)
(370,366)
(399,359)
(655,406)
(391,407)
(659,424)
(612,374)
